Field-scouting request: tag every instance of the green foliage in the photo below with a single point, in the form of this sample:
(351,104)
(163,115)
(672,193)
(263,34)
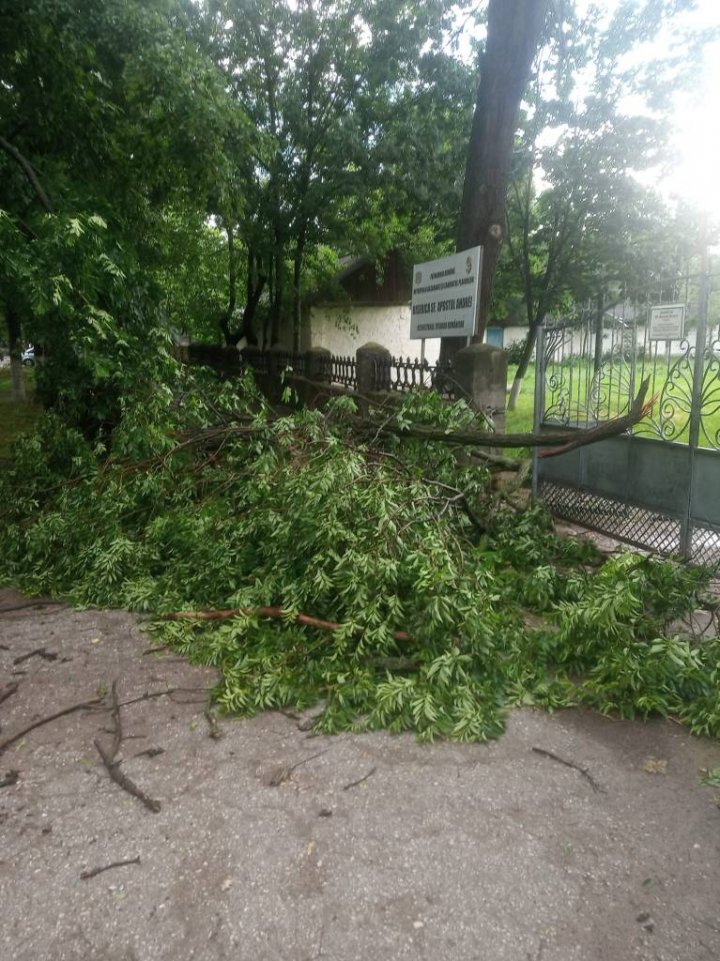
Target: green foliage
(111,125)
(216,502)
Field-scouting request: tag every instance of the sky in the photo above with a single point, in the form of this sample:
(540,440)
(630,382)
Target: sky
(694,162)
(696,123)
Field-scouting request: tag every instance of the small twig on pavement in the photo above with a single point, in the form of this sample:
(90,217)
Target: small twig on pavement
(113,766)
(284,773)
(360,780)
(576,767)
(169,692)
(84,705)
(93,872)
(38,652)
(150,752)
(8,691)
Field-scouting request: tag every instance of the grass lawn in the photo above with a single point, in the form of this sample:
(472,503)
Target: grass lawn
(15,417)
(520,420)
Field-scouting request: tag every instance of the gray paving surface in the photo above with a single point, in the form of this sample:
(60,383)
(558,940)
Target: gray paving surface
(490,852)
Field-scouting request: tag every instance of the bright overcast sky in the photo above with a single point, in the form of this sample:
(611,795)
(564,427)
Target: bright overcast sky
(693,166)
(697,128)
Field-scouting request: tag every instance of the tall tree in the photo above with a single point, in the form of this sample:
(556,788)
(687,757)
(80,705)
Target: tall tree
(581,225)
(341,95)
(514,30)
(109,118)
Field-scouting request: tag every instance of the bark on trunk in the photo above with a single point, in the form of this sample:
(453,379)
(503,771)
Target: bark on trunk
(226,321)
(297,293)
(277,303)
(514,28)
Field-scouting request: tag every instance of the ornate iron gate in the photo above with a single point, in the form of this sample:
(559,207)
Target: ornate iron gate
(657,487)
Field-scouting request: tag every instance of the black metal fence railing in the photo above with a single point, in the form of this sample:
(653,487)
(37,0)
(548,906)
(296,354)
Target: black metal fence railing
(342,371)
(399,374)
(657,485)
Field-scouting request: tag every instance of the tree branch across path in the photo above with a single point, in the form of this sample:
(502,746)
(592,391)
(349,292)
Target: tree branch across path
(563,440)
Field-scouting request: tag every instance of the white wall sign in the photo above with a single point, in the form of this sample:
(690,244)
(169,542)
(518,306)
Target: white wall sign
(444,296)
(667,322)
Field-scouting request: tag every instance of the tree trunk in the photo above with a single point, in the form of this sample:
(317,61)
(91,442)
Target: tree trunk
(226,321)
(522,367)
(15,345)
(297,294)
(276,305)
(514,28)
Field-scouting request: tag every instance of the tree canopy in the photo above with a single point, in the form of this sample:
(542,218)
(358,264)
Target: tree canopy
(201,166)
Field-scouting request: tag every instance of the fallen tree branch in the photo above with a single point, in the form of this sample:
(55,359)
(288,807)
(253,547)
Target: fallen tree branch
(496,460)
(84,705)
(360,780)
(8,691)
(112,765)
(283,774)
(38,652)
(123,781)
(611,428)
(576,767)
(93,872)
(272,612)
(565,440)
(148,695)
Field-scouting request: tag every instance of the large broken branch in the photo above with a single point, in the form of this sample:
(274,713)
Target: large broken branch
(276,613)
(565,440)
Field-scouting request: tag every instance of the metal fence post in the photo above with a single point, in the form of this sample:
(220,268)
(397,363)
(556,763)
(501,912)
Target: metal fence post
(686,532)
(539,408)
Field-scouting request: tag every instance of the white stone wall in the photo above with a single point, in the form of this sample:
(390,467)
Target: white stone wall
(514,335)
(343,329)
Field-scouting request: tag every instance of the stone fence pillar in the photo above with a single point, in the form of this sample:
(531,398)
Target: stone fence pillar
(481,372)
(318,370)
(373,371)
(317,364)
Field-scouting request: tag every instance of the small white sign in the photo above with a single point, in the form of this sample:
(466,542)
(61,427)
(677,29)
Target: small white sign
(444,296)
(667,322)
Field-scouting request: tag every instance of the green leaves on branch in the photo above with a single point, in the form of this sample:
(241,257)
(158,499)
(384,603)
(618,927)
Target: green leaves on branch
(210,501)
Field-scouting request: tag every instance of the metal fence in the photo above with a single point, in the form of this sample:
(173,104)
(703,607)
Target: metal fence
(659,486)
(404,374)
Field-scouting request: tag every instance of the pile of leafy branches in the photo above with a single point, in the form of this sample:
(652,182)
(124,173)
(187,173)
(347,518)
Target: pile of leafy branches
(424,579)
